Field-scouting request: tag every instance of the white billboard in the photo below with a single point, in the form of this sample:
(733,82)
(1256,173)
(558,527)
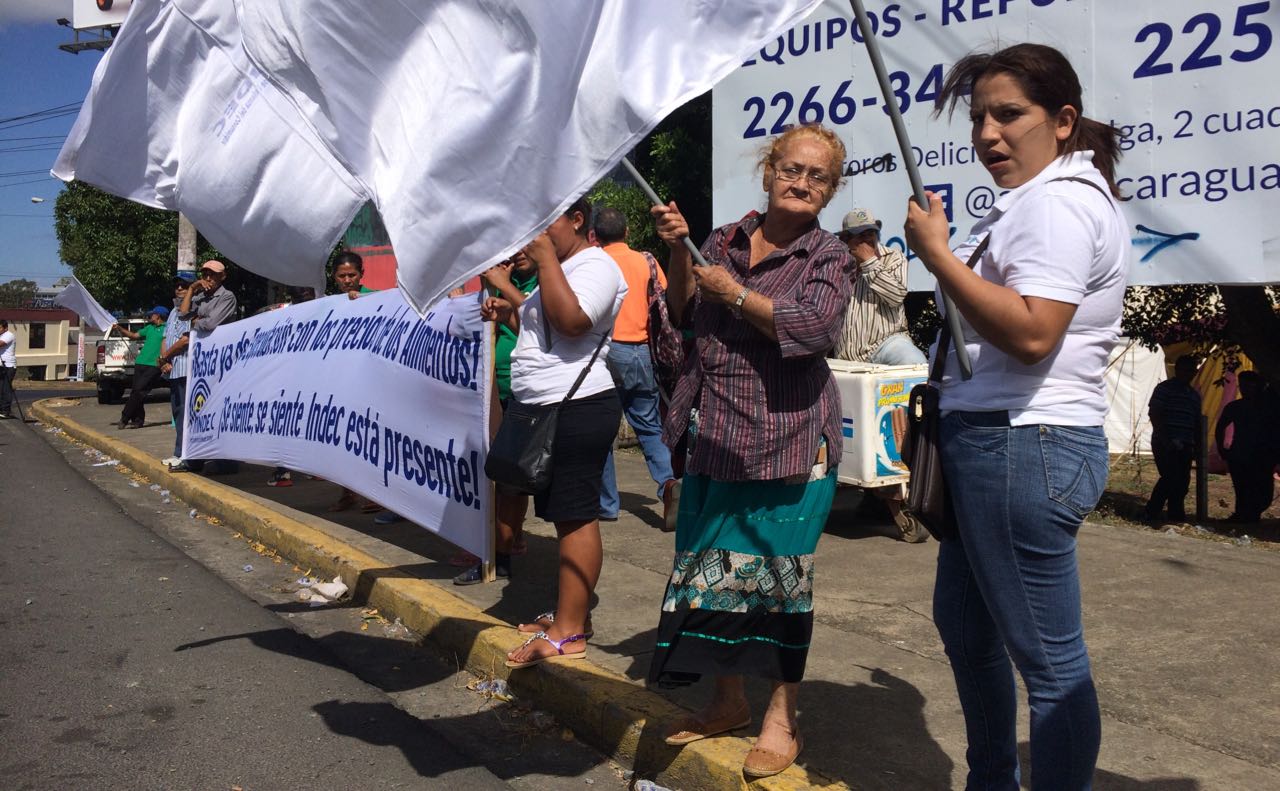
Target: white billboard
(1190,82)
(98,13)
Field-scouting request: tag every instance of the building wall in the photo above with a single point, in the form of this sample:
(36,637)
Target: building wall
(49,362)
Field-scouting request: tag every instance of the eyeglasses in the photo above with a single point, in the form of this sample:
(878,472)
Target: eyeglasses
(816,179)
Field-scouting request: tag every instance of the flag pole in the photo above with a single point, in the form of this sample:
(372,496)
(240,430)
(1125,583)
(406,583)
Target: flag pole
(913,172)
(698,260)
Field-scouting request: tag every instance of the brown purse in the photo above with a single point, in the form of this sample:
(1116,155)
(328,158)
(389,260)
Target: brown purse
(927,497)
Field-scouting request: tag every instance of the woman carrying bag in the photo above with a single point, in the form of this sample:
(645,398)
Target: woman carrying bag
(1022,445)
(564,328)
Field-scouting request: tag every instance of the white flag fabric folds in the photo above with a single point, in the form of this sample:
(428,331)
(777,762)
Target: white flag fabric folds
(469,123)
(77,299)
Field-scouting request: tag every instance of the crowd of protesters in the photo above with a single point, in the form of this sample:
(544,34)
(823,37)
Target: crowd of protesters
(743,449)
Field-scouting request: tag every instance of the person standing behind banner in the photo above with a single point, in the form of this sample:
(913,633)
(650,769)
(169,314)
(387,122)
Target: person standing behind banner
(1174,410)
(1022,444)
(762,413)
(1251,453)
(8,369)
(511,280)
(632,368)
(173,360)
(146,366)
(208,304)
(875,325)
(561,325)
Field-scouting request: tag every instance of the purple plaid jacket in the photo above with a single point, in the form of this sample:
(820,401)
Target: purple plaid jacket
(764,405)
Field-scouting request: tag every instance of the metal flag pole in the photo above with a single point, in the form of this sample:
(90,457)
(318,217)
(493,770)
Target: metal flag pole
(913,173)
(698,260)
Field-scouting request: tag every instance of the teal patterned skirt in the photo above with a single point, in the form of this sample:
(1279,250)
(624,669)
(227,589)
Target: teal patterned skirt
(740,597)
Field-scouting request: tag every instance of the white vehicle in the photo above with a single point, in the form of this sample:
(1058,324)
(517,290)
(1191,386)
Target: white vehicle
(116,354)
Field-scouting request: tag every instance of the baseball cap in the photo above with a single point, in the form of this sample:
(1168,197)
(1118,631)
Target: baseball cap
(161,311)
(213,266)
(186,277)
(857,221)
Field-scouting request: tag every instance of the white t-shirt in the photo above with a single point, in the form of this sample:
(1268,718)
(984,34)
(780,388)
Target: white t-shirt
(542,376)
(1059,240)
(8,357)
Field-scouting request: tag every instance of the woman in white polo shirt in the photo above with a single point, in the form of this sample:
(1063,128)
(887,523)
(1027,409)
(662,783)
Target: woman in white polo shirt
(561,325)
(1022,443)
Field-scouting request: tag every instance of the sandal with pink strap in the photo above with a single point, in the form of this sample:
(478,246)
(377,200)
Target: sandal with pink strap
(543,621)
(559,645)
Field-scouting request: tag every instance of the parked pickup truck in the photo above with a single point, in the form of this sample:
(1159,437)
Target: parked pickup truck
(116,354)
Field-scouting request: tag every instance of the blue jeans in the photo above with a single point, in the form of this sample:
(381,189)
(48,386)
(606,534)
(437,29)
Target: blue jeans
(632,371)
(178,405)
(898,349)
(1009,587)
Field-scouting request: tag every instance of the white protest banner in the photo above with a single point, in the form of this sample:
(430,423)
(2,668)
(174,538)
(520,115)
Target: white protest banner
(1191,83)
(359,392)
(77,299)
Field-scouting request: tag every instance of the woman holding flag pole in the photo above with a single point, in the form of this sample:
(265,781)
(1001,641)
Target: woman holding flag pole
(1022,445)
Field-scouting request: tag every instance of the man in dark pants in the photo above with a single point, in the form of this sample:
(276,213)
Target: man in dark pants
(173,360)
(1175,425)
(146,366)
(1250,454)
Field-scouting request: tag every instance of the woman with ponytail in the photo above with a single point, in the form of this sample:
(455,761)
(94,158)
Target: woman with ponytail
(1023,448)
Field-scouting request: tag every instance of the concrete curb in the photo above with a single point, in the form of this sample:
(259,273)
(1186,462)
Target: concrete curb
(608,711)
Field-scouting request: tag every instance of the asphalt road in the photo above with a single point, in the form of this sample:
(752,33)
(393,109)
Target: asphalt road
(125,664)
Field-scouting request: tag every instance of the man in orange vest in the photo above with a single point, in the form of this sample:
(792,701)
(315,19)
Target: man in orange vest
(632,368)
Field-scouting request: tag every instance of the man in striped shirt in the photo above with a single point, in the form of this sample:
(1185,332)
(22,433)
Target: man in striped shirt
(1174,409)
(875,323)
(173,359)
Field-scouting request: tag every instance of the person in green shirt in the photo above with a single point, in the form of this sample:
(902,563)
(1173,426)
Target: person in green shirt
(512,280)
(146,366)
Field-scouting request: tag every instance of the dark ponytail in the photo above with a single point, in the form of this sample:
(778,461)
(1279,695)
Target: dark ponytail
(1047,78)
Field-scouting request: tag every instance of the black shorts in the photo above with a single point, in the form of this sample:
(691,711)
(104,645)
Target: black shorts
(585,432)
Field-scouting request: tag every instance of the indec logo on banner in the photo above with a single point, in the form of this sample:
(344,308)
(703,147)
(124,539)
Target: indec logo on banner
(1190,84)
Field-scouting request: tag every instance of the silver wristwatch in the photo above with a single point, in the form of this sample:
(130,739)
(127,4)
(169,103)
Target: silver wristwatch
(736,307)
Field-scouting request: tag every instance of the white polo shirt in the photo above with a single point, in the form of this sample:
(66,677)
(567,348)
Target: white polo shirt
(543,376)
(9,356)
(1058,240)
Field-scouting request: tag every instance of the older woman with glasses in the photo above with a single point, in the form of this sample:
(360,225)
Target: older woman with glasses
(763,417)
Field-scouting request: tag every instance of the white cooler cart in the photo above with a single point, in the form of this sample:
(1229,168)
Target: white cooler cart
(873,402)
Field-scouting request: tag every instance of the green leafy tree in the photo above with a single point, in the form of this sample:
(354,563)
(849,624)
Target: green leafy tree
(17,293)
(126,253)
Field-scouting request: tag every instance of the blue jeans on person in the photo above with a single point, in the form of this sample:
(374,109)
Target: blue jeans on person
(632,371)
(898,349)
(178,405)
(1009,587)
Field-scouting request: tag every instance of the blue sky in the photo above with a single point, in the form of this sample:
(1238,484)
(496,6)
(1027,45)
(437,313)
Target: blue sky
(36,76)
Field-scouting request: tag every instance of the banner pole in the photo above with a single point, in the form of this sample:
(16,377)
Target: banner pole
(913,172)
(488,566)
(698,260)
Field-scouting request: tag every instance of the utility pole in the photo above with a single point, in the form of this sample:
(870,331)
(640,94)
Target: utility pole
(186,245)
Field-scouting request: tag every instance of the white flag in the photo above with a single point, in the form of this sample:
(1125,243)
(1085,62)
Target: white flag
(76,298)
(471,125)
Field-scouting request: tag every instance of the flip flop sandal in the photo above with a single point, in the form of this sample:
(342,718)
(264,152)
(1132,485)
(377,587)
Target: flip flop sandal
(559,645)
(463,560)
(343,503)
(690,729)
(370,508)
(550,617)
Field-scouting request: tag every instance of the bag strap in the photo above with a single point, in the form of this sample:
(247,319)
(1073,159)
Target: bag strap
(1087,182)
(944,335)
(582,376)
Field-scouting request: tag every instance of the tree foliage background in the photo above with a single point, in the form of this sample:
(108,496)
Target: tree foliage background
(125,253)
(17,293)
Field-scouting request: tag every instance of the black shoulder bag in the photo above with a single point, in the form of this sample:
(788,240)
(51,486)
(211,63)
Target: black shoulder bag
(927,497)
(520,455)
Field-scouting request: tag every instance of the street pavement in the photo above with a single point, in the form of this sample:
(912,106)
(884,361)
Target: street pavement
(126,663)
(1179,631)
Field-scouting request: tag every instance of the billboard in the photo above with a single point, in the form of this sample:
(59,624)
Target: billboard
(1190,83)
(98,13)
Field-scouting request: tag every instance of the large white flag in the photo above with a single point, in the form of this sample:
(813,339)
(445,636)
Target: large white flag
(76,298)
(469,124)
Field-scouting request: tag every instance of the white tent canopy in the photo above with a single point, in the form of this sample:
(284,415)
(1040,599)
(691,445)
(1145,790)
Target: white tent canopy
(1132,374)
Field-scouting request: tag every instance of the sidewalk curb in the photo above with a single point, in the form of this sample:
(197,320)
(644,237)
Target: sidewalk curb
(608,711)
